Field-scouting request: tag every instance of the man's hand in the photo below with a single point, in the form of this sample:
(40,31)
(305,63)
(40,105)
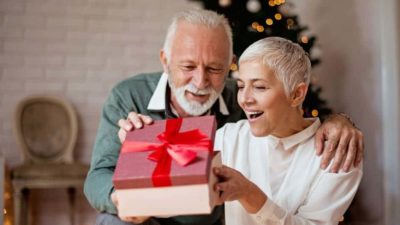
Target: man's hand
(133,121)
(133,219)
(235,186)
(338,138)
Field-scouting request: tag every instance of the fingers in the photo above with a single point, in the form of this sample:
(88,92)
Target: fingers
(121,135)
(135,119)
(360,149)
(222,172)
(138,119)
(124,124)
(114,199)
(222,187)
(146,119)
(328,153)
(340,152)
(135,220)
(344,143)
(227,192)
(351,155)
(319,141)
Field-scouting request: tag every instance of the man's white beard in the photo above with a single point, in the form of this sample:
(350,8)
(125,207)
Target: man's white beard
(192,107)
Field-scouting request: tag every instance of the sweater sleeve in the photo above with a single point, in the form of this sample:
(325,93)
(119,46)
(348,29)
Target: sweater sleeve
(98,184)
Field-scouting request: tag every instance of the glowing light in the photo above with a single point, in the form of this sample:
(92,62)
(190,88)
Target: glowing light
(271,3)
(224,3)
(304,39)
(278,16)
(255,25)
(5,211)
(253,6)
(7,195)
(269,22)
(314,113)
(234,67)
(277,2)
(260,28)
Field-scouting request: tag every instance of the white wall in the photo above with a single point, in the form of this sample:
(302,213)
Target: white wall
(390,70)
(348,33)
(77,49)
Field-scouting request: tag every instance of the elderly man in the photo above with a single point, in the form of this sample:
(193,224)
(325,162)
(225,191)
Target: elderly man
(196,58)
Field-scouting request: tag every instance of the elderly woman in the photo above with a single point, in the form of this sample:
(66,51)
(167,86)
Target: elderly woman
(272,175)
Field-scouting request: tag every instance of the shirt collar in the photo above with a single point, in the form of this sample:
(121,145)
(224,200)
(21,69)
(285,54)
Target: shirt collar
(292,140)
(157,101)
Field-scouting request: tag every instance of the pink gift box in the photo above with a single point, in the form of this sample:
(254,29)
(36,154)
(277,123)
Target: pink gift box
(189,189)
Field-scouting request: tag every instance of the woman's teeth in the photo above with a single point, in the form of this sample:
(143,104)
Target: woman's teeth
(253,115)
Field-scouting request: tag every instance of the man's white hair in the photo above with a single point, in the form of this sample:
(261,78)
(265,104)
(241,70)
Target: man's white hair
(197,17)
(288,60)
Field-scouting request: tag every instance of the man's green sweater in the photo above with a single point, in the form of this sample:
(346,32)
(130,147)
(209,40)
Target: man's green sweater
(134,94)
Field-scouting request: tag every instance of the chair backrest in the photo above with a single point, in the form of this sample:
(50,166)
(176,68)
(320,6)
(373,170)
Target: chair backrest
(46,129)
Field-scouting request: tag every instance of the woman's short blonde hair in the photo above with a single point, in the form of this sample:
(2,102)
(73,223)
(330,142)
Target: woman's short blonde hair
(288,60)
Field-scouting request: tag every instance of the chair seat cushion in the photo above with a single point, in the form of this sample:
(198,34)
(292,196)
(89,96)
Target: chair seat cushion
(48,170)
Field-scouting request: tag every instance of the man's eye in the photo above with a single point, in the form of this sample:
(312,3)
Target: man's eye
(188,68)
(215,70)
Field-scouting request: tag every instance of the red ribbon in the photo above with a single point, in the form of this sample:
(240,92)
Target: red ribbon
(180,146)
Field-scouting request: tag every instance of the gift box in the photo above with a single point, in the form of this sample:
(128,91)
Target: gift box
(165,168)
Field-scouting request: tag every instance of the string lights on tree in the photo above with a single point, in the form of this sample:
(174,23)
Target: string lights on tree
(7,196)
(252,20)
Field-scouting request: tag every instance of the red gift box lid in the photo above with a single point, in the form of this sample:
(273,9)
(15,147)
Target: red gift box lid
(134,169)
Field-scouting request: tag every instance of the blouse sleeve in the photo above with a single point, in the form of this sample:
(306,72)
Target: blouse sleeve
(327,201)
(219,139)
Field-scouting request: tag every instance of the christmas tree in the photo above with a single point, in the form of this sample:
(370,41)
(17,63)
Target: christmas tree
(252,20)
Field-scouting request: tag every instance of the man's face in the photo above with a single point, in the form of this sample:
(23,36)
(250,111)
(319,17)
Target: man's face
(197,66)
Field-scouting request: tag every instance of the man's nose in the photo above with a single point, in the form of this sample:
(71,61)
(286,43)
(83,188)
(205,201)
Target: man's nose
(200,79)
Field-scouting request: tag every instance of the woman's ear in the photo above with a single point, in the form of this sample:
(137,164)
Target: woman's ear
(299,94)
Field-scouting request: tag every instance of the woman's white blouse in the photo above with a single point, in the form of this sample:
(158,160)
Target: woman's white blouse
(288,171)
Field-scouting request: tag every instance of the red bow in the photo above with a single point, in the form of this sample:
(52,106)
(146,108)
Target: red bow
(181,147)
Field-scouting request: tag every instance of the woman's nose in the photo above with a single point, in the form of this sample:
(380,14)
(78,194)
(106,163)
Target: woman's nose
(246,96)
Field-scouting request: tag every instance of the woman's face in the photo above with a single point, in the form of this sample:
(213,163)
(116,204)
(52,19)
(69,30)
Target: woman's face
(262,97)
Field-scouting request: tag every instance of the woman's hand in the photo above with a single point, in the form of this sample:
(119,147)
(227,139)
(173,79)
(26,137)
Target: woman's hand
(234,186)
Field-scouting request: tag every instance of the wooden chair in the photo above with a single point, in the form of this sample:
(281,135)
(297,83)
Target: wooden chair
(46,129)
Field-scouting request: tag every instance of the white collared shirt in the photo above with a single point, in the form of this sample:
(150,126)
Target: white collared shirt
(157,101)
(287,171)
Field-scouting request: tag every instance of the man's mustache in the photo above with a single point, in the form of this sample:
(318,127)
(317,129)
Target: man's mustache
(190,87)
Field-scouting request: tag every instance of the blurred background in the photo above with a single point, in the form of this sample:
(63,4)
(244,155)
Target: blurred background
(79,49)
